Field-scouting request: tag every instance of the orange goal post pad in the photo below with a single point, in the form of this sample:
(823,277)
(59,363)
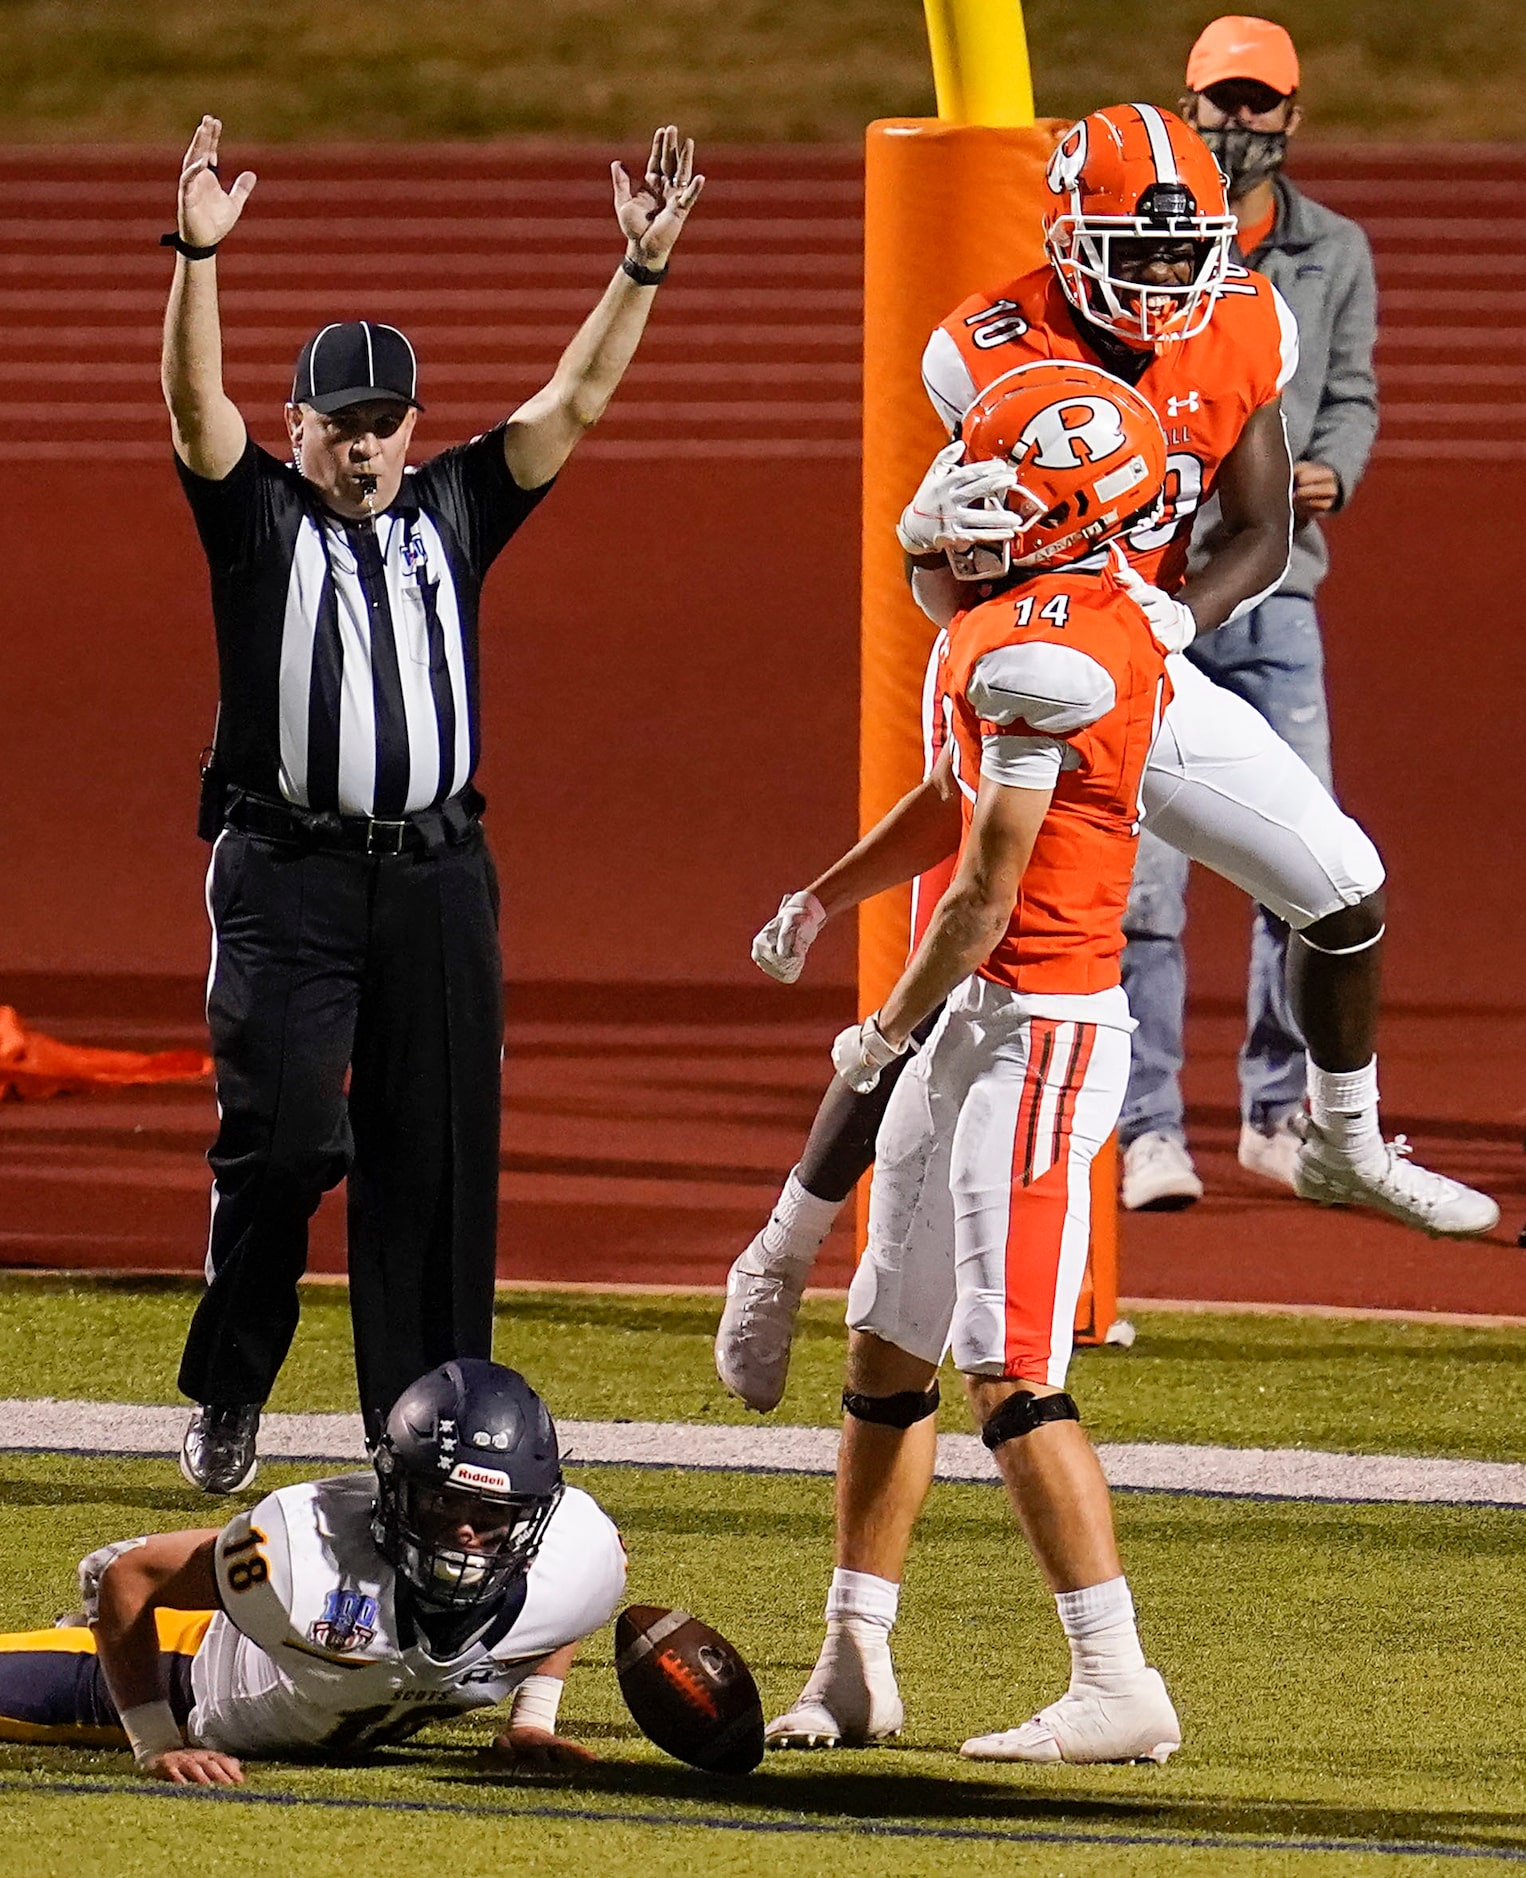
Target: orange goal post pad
(949,208)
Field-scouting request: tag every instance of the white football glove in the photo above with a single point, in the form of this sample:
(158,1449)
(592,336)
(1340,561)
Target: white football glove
(1171,624)
(781,947)
(862,1051)
(958,505)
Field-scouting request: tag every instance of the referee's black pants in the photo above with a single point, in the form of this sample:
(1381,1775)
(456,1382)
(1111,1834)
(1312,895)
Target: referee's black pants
(388,971)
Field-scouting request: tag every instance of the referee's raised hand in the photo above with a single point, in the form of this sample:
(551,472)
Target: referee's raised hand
(652,217)
(206,210)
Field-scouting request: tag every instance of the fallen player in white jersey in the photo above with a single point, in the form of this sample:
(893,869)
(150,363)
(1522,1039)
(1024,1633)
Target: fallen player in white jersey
(346,1613)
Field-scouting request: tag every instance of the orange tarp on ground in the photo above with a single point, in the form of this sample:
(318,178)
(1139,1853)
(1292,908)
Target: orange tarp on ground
(32,1065)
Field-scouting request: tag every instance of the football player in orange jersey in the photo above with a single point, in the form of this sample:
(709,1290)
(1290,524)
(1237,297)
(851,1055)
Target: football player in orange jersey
(1053,689)
(1139,280)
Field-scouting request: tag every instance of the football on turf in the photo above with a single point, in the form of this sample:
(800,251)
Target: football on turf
(688,1689)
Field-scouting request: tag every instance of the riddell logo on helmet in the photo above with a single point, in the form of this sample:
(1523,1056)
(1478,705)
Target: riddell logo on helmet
(488,1479)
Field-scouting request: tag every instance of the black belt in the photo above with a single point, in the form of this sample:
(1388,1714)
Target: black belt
(426,832)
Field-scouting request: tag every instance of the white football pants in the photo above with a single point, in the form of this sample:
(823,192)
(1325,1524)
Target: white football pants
(1223,788)
(980,1211)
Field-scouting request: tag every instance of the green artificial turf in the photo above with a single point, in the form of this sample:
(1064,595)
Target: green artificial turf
(1347,1384)
(1348,1678)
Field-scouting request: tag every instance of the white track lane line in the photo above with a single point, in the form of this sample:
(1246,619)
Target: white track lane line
(100,1428)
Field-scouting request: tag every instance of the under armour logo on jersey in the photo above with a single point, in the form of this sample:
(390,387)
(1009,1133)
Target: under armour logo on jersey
(1071,433)
(1189,403)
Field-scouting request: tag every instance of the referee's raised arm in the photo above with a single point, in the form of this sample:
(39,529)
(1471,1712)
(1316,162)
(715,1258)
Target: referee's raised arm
(205,424)
(540,436)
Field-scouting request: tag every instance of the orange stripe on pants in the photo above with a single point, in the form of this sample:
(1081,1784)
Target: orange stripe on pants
(1041,1203)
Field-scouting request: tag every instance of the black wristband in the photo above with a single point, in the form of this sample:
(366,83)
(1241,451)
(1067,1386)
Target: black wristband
(643,276)
(191,253)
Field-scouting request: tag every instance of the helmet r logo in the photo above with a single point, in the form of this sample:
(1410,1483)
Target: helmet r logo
(1073,433)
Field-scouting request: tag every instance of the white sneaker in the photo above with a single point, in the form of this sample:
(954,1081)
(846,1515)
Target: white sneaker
(757,1326)
(1085,1725)
(851,1699)
(1158,1175)
(1272,1155)
(1397,1187)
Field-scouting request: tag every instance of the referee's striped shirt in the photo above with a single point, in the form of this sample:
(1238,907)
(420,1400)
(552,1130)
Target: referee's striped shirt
(347,651)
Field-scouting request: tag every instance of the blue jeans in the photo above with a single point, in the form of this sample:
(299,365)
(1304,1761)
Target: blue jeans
(1272,658)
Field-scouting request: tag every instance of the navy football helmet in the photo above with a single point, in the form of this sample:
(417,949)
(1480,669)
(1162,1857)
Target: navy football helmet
(468,1449)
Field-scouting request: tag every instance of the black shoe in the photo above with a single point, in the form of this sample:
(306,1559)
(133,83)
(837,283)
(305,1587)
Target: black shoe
(217,1454)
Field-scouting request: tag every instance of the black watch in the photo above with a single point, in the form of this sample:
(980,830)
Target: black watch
(642,275)
(189,249)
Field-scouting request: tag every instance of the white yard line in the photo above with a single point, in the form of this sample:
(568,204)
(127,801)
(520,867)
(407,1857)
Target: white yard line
(99,1428)
(17,1277)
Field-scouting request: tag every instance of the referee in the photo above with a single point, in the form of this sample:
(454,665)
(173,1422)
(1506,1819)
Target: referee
(356,991)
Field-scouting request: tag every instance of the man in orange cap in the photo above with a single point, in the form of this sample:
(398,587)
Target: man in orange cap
(1242,99)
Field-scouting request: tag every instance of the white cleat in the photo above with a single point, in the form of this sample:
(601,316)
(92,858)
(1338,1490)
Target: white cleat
(1087,1726)
(1272,1155)
(1158,1175)
(1397,1187)
(757,1326)
(851,1700)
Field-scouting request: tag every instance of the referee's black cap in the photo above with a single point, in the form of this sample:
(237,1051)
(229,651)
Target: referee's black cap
(353,362)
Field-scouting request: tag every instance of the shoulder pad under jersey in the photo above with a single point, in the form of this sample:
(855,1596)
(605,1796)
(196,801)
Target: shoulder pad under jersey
(252,1564)
(577,1580)
(1249,303)
(947,379)
(277,1564)
(1053,688)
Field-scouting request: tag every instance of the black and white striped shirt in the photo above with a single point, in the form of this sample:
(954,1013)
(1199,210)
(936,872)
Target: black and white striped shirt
(347,651)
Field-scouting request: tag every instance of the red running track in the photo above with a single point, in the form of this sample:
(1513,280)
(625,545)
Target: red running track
(645,1132)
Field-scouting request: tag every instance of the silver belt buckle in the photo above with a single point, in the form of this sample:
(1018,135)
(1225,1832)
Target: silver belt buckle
(394,839)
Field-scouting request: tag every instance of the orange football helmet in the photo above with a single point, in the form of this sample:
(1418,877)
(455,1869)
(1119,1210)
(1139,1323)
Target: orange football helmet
(1136,173)
(1089,454)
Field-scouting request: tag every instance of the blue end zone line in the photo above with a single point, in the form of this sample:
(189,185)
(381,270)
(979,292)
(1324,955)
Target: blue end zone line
(799,1473)
(720,1822)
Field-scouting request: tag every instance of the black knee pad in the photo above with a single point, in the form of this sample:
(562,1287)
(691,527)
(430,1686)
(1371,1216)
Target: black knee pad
(892,1411)
(1021,1414)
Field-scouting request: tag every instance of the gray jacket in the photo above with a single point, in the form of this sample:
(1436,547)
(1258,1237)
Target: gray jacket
(1321,264)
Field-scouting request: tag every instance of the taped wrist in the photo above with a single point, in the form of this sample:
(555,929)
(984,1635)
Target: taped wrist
(903,1410)
(1021,1414)
(536,1701)
(151,1729)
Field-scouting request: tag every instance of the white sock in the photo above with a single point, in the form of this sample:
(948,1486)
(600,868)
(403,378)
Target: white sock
(1105,1651)
(1344,1107)
(796,1228)
(862,1596)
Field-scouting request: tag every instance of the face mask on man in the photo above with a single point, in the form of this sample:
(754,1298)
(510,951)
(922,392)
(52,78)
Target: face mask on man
(1247,157)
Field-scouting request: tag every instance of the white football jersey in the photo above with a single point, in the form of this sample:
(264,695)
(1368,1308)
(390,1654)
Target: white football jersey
(309,1650)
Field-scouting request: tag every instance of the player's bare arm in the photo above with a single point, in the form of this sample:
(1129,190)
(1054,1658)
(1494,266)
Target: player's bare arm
(205,424)
(977,908)
(542,433)
(1248,552)
(172,1571)
(921,830)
